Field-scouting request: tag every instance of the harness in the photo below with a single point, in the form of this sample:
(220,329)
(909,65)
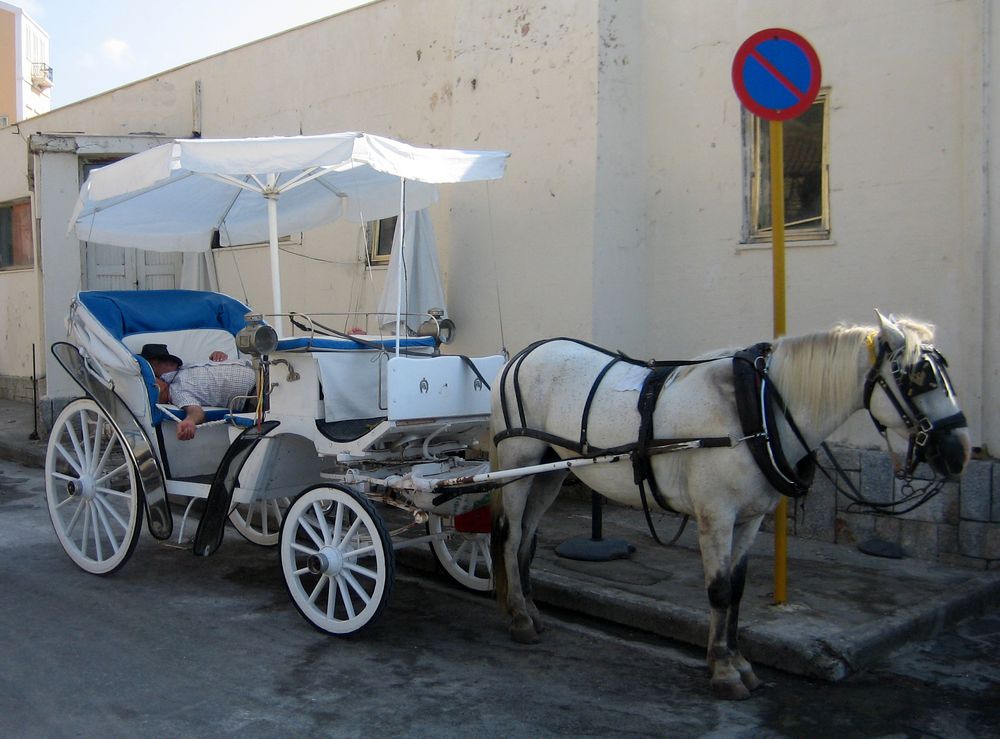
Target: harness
(755,394)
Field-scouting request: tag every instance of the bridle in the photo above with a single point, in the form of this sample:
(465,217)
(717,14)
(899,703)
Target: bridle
(927,374)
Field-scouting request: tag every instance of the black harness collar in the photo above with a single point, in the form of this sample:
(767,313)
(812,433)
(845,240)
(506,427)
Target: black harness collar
(756,399)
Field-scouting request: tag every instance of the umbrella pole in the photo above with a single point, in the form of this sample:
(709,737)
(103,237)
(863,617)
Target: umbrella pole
(402,256)
(272,237)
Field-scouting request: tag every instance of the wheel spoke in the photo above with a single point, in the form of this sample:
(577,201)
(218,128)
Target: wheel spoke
(338,525)
(106,525)
(371,574)
(321,518)
(114,473)
(98,437)
(303,549)
(345,595)
(98,547)
(69,459)
(104,505)
(314,594)
(361,551)
(76,514)
(356,587)
(350,534)
(80,456)
(86,529)
(305,526)
(88,449)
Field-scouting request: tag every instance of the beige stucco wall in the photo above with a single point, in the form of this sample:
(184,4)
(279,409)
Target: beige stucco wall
(619,219)
(8,65)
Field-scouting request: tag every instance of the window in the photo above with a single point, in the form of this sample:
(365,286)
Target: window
(807,188)
(15,235)
(378,239)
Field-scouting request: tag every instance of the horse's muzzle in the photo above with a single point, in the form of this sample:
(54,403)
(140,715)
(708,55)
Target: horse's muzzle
(947,451)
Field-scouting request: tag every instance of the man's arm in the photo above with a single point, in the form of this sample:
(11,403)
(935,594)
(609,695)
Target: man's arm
(194,414)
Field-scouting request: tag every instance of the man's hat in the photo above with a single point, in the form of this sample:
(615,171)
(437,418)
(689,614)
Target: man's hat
(159,351)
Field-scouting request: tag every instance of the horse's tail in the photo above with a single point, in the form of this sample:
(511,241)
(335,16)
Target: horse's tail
(498,540)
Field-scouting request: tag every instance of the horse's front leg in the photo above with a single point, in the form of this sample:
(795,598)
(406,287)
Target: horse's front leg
(715,538)
(743,537)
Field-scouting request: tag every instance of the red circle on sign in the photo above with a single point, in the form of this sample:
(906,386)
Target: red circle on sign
(749,50)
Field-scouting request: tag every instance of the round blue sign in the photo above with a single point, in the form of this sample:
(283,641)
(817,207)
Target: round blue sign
(776,74)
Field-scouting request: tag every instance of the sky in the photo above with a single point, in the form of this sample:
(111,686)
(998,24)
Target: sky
(98,45)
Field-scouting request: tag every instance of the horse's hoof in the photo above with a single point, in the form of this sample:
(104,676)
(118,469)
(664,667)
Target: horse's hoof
(750,680)
(523,631)
(730,690)
(524,636)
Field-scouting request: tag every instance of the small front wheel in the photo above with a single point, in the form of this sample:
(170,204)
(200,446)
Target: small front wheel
(91,489)
(337,559)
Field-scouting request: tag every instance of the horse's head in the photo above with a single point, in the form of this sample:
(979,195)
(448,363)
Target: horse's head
(916,399)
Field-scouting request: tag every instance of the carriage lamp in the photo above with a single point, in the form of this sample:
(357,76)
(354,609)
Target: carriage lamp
(441,328)
(256,337)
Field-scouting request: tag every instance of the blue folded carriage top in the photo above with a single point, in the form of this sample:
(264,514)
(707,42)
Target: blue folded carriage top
(326,343)
(125,312)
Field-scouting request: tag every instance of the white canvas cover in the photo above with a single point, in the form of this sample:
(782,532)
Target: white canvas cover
(175,196)
(422,288)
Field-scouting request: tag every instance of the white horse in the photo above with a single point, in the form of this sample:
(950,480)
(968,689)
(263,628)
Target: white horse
(565,399)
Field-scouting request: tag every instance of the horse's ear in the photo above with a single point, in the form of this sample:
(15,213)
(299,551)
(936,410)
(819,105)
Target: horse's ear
(890,332)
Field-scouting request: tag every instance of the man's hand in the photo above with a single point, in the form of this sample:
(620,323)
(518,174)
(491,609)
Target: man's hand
(218,356)
(186,429)
(193,415)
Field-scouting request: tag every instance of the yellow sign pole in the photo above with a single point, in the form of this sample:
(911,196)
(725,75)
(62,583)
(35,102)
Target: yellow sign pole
(778,284)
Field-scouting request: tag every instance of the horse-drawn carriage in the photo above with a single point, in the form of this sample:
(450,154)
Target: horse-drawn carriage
(338,422)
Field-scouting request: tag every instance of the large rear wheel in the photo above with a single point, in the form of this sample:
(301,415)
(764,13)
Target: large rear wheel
(91,489)
(337,559)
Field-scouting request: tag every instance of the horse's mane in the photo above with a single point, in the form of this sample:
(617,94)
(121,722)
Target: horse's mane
(818,373)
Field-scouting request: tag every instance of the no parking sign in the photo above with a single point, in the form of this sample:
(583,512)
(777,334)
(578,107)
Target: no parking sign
(776,74)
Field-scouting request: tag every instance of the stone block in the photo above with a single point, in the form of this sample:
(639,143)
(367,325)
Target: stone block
(849,458)
(979,539)
(919,539)
(815,512)
(995,507)
(975,491)
(947,539)
(876,477)
(943,507)
(968,563)
(853,528)
(888,528)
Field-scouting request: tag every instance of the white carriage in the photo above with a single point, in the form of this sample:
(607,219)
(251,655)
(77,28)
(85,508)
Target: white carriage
(338,423)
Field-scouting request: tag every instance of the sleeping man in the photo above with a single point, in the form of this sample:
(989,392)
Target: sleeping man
(195,386)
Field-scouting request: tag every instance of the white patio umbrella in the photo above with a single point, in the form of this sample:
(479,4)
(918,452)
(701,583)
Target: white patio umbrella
(175,197)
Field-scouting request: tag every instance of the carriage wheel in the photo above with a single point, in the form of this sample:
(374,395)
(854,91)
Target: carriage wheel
(337,559)
(91,489)
(465,555)
(259,521)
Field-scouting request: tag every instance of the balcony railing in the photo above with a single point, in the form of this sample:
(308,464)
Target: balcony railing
(41,75)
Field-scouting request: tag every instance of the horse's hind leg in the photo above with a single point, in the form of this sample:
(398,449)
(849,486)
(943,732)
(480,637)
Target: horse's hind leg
(544,490)
(518,507)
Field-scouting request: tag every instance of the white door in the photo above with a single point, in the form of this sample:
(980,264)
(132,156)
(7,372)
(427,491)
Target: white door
(117,268)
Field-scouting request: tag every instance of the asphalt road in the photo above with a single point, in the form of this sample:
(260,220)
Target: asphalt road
(174,645)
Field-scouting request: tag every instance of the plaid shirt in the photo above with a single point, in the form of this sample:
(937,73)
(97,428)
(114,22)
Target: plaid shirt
(213,384)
